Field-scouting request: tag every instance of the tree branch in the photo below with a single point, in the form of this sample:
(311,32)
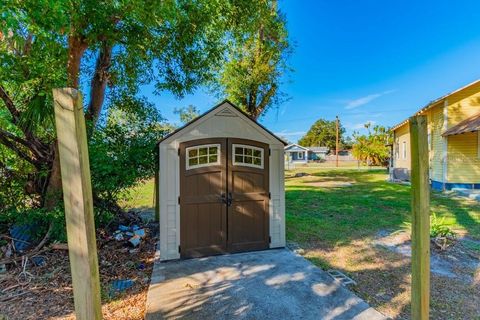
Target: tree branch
(9,104)
(14,147)
(266,99)
(99,82)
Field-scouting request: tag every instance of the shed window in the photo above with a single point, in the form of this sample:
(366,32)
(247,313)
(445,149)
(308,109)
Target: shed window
(404,151)
(203,155)
(248,156)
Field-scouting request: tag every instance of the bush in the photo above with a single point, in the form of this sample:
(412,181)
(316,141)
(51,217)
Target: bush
(439,229)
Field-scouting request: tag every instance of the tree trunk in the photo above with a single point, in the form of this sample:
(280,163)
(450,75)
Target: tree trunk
(99,83)
(53,192)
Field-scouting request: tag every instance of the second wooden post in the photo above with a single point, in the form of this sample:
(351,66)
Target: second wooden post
(420,218)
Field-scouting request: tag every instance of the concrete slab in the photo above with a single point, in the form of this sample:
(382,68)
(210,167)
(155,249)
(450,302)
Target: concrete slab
(473,194)
(274,284)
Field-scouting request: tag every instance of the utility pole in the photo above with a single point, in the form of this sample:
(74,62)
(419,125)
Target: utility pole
(336,147)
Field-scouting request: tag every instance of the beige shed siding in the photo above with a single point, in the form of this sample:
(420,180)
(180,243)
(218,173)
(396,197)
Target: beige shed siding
(435,121)
(402,135)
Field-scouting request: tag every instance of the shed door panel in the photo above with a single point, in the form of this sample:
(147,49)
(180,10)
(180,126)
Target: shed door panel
(248,179)
(202,213)
(238,170)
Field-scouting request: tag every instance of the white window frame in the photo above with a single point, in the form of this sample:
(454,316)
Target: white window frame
(404,150)
(262,156)
(208,164)
(300,155)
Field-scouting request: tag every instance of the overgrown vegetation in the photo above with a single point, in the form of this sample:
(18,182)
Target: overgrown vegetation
(373,148)
(323,133)
(108,52)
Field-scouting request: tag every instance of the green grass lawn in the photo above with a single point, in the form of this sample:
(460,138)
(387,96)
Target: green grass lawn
(140,197)
(340,215)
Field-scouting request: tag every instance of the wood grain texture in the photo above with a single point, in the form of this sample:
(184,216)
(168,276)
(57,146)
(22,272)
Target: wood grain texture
(77,194)
(420,218)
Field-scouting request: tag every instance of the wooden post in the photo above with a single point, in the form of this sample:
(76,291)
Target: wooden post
(77,195)
(420,218)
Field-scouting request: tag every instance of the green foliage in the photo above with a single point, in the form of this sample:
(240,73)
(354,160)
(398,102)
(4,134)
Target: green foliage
(256,62)
(323,133)
(123,150)
(372,148)
(187,114)
(438,228)
(40,218)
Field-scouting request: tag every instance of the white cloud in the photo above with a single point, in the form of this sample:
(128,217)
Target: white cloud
(366,99)
(289,134)
(359,126)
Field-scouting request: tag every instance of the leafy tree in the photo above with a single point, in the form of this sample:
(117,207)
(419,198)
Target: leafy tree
(106,49)
(187,114)
(323,133)
(126,139)
(257,63)
(372,147)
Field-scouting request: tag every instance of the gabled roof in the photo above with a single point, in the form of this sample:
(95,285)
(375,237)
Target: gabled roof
(213,109)
(295,146)
(319,149)
(468,125)
(433,103)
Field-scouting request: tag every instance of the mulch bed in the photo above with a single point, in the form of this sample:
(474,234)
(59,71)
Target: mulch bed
(46,293)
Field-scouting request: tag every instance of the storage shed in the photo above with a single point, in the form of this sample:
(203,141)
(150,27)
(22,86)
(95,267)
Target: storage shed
(220,186)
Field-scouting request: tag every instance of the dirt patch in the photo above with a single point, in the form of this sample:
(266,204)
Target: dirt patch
(48,292)
(383,275)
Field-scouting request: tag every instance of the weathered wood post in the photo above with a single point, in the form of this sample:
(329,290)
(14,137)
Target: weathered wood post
(420,218)
(77,195)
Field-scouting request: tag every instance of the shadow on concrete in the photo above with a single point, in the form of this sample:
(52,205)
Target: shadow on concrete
(272,284)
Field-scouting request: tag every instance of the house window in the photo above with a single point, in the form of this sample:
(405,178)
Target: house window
(404,150)
(300,155)
(248,156)
(397,150)
(203,156)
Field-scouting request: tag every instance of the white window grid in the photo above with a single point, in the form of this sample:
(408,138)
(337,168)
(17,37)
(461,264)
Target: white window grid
(253,148)
(198,156)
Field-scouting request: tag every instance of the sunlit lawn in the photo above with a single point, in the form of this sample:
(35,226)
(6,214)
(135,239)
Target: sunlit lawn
(370,204)
(140,197)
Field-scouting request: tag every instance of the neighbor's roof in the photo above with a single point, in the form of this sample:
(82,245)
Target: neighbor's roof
(435,102)
(214,108)
(468,125)
(319,149)
(295,146)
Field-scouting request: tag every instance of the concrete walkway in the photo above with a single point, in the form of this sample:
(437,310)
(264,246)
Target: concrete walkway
(273,284)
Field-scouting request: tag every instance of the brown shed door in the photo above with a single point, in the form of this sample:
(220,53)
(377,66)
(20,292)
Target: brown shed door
(223,196)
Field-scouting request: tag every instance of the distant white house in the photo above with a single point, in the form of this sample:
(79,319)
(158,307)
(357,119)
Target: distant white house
(295,153)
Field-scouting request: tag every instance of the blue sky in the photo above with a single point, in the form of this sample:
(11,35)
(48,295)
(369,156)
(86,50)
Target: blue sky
(366,61)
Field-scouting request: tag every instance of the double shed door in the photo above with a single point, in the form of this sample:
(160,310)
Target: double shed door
(224,196)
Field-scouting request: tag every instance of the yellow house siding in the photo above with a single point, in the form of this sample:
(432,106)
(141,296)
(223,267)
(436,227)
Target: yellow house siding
(463,104)
(436,152)
(402,137)
(463,161)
